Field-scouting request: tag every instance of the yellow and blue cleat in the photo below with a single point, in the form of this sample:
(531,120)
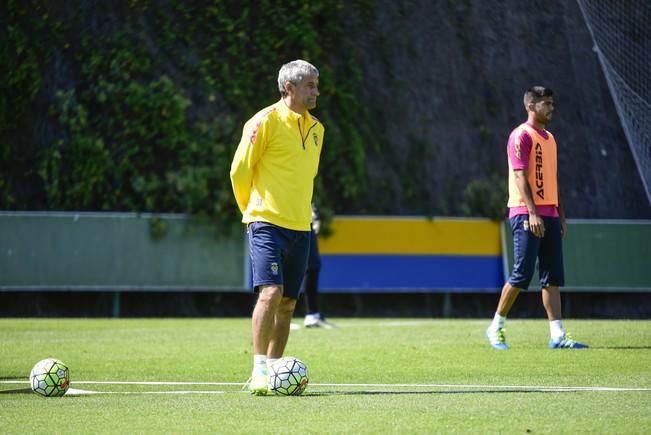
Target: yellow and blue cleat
(496,338)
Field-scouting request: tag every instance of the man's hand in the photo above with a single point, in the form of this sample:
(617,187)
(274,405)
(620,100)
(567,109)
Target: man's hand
(316,225)
(536,225)
(563,228)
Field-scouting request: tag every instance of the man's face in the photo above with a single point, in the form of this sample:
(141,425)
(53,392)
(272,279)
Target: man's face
(544,110)
(305,92)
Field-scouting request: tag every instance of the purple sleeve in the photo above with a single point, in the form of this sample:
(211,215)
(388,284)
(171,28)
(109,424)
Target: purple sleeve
(519,149)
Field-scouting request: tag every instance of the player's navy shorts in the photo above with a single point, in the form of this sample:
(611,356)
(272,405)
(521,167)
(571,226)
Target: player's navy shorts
(314,260)
(278,256)
(528,248)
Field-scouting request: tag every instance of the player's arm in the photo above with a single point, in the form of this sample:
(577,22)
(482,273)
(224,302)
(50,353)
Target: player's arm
(249,151)
(561,211)
(536,223)
(520,145)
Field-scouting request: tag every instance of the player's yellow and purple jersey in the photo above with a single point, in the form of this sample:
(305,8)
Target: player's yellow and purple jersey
(275,163)
(533,150)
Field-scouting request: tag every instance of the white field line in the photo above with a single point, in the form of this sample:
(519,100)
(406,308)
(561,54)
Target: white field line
(18,381)
(360,385)
(76,392)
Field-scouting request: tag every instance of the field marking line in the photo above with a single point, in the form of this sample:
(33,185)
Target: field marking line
(371,385)
(77,392)
(136,383)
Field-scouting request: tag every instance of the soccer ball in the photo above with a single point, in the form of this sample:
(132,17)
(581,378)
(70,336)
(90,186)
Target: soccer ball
(50,377)
(288,377)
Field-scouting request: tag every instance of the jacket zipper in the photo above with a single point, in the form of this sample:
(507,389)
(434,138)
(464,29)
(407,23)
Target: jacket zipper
(307,133)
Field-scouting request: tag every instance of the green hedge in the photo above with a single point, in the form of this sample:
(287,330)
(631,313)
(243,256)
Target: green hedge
(138,105)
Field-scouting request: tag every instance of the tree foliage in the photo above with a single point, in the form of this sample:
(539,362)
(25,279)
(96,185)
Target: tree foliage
(138,105)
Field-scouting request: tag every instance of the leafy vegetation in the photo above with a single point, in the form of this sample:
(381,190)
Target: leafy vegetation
(138,105)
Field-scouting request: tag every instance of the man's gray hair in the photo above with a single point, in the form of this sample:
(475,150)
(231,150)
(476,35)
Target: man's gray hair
(294,72)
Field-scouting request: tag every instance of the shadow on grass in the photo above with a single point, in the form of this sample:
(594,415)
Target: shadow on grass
(622,347)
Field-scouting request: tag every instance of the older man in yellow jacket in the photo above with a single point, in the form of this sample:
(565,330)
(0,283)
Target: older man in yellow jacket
(272,175)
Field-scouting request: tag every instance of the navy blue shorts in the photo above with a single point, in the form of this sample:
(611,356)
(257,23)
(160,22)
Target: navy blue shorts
(528,248)
(314,260)
(278,256)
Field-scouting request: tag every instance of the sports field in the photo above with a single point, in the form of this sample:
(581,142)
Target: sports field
(367,376)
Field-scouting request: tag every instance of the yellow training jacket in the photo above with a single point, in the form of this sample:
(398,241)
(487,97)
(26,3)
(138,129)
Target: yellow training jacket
(274,167)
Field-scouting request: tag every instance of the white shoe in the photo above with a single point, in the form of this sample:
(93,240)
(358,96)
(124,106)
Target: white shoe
(259,384)
(317,321)
(496,338)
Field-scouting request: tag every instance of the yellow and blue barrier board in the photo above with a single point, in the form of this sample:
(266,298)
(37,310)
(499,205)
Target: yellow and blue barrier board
(383,254)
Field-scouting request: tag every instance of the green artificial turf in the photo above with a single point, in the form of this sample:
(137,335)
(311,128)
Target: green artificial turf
(367,376)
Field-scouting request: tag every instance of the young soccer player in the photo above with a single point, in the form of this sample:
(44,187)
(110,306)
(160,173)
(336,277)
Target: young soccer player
(537,220)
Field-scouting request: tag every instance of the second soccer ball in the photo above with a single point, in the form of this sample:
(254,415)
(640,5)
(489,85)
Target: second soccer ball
(288,377)
(50,377)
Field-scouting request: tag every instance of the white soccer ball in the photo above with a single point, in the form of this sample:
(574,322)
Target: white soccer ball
(50,377)
(288,377)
